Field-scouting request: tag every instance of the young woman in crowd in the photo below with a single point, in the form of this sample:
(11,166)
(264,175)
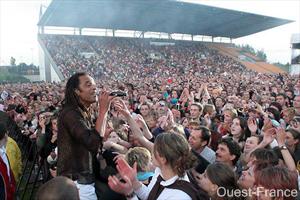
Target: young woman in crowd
(219,181)
(238,131)
(293,143)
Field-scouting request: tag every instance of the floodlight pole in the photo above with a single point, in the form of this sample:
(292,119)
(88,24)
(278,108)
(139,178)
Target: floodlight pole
(47,69)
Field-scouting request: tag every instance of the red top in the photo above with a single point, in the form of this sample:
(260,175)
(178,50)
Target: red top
(9,183)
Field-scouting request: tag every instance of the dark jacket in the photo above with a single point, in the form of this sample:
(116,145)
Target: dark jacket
(77,143)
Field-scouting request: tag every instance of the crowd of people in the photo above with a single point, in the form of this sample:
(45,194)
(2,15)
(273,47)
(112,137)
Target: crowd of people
(192,124)
(123,58)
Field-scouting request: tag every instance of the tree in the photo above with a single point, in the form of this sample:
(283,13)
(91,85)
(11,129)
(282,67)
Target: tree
(261,54)
(12,61)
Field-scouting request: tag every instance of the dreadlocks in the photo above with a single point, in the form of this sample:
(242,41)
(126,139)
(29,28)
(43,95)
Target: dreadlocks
(71,98)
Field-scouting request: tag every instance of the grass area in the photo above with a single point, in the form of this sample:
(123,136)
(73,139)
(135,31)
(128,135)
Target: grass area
(285,67)
(6,77)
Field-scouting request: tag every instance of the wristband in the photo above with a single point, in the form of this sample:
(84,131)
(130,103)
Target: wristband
(283,147)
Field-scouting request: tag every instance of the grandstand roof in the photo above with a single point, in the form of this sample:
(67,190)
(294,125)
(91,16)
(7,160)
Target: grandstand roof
(167,16)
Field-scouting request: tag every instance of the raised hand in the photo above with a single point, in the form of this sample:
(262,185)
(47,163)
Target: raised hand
(162,122)
(170,118)
(191,96)
(267,124)
(252,125)
(121,107)
(126,171)
(104,101)
(123,188)
(140,120)
(280,136)
(269,135)
(42,122)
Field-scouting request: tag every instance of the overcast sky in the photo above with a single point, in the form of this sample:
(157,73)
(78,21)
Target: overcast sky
(18,29)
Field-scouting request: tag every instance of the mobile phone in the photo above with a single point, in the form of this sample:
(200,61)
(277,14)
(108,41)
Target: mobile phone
(118,94)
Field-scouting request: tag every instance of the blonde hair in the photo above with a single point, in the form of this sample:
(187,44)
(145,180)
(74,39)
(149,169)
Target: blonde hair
(290,111)
(141,156)
(232,112)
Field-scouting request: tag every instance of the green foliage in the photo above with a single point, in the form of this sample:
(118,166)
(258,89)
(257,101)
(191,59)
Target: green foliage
(24,69)
(12,61)
(6,77)
(258,53)
(262,55)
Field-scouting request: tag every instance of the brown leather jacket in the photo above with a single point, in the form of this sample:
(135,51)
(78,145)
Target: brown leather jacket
(77,143)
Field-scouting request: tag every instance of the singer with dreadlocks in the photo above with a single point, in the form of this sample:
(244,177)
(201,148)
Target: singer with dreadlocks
(79,139)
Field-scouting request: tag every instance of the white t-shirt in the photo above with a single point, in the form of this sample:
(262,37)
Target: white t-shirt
(168,193)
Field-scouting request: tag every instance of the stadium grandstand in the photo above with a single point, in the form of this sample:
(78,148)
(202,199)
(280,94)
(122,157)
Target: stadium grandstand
(142,19)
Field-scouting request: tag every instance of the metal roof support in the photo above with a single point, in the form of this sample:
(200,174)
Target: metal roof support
(80,31)
(170,36)
(113,32)
(230,40)
(47,69)
(141,35)
(41,29)
(212,39)
(192,37)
